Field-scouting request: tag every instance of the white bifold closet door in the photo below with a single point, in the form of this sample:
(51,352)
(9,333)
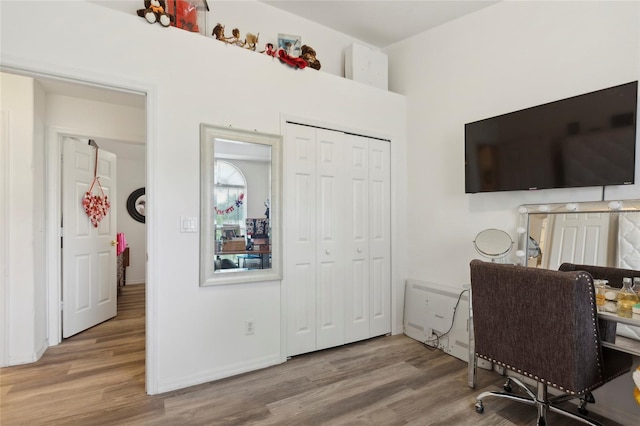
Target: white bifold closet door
(337,238)
(368,233)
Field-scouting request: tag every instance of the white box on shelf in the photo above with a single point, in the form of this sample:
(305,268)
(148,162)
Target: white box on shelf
(366,65)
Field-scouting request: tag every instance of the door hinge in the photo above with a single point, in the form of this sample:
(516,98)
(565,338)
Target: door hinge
(62,305)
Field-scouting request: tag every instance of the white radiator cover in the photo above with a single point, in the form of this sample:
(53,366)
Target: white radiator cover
(429,309)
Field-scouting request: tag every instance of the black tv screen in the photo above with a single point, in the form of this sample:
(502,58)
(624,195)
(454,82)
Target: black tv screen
(585,140)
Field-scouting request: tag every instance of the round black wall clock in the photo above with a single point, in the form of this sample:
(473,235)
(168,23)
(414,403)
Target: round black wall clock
(136,204)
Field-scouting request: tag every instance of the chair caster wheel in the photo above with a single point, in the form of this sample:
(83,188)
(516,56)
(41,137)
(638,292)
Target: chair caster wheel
(479,407)
(507,386)
(582,408)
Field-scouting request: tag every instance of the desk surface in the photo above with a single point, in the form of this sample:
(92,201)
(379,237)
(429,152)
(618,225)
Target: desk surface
(220,253)
(612,316)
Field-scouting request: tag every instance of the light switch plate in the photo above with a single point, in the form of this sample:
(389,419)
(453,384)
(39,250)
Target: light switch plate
(188,224)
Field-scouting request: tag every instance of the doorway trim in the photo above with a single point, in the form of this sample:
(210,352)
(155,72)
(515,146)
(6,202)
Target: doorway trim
(4,240)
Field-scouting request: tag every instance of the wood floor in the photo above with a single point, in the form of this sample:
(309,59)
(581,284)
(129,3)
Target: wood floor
(97,378)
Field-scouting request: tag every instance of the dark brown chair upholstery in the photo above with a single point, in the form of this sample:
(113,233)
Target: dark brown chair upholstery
(541,324)
(613,275)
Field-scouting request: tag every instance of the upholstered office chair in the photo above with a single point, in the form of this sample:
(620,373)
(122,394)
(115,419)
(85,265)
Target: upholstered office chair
(541,324)
(611,274)
(608,329)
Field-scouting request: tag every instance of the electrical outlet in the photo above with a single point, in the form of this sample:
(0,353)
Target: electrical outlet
(249,327)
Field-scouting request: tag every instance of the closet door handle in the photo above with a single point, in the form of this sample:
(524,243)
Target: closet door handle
(327,251)
(359,250)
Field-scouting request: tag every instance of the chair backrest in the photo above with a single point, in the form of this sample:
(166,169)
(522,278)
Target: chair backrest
(613,275)
(539,323)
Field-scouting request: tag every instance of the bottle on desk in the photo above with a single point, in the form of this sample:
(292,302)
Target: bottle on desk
(626,299)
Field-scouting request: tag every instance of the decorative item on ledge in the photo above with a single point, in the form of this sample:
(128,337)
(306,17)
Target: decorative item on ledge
(189,15)
(155,11)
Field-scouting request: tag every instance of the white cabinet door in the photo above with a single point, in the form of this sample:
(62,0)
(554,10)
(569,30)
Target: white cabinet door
(330,238)
(357,210)
(380,237)
(300,238)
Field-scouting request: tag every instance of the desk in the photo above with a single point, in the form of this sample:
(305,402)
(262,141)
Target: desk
(263,255)
(619,343)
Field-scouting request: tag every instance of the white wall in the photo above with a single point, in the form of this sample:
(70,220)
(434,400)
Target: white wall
(504,58)
(24,229)
(251,16)
(196,334)
(255,172)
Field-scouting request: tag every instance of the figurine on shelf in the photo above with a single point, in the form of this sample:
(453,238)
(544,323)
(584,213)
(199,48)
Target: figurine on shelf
(155,11)
(251,41)
(269,50)
(309,55)
(235,38)
(295,62)
(218,33)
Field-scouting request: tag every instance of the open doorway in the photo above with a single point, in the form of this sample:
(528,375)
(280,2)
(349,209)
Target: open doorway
(117,119)
(108,122)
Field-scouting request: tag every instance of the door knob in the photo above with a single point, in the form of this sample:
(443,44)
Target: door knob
(114,242)
(327,251)
(359,250)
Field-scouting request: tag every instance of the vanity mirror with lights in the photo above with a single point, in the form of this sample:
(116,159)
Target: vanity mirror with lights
(605,233)
(239,206)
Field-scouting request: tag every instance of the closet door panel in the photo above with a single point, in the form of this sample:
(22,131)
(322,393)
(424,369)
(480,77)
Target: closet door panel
(356,216)
(330,236)
(301,318)
(329,302)
(300,239)
(380,236)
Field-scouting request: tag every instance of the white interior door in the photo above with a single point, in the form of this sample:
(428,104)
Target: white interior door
(580,238)
(89,289)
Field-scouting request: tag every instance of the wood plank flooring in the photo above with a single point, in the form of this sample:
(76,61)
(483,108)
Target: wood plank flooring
(97,378)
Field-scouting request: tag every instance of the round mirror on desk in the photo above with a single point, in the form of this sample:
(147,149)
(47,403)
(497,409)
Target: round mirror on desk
(493,244)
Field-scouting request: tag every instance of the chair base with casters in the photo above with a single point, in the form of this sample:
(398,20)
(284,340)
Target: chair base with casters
(540,400)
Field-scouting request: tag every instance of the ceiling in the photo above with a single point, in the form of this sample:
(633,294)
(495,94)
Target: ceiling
(380,23)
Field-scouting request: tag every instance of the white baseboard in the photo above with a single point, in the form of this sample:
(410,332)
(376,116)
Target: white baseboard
(217,373)
(28,358)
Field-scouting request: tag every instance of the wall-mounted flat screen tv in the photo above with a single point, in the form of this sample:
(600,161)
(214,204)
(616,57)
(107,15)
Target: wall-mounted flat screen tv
(586,140)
